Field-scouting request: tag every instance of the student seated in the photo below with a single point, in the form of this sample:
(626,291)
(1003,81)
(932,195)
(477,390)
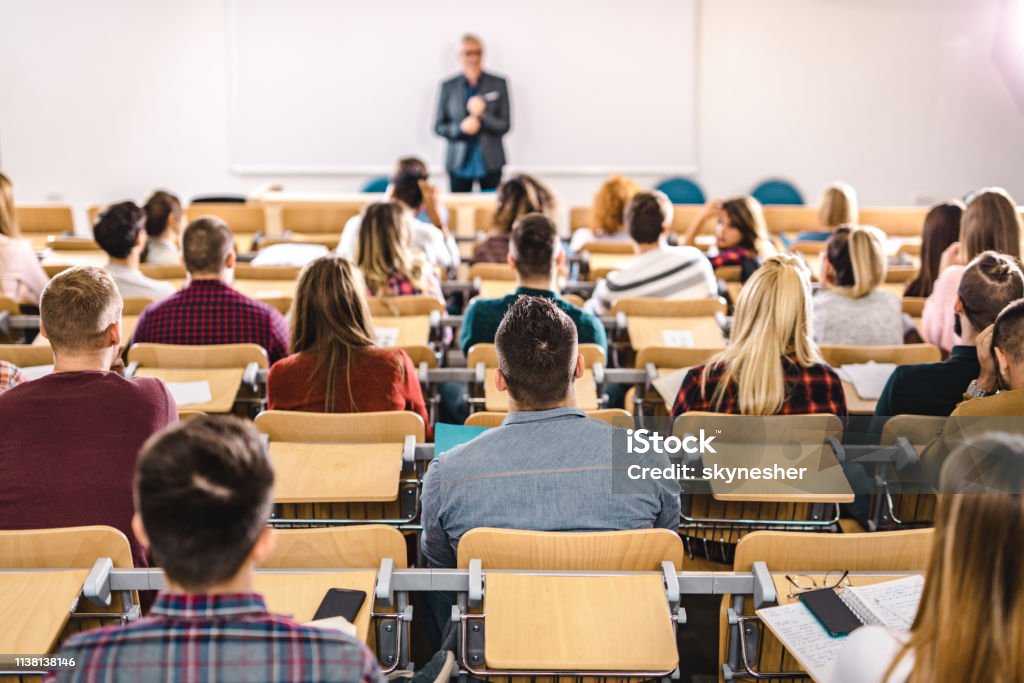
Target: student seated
(771,366)
(990,222)
(209,310)
(838,207)
(164,219)
(204,493)
(536,255)
(120,230)
(941,229)
(517,196)
(989,283)
(659,270)
(390,266)
(70,438)
(999,388)
(10,376)
(606,213)
(336,366)
(970,620)
(548,467)
(410,189)
(852,308)
(741,235)
(21,276)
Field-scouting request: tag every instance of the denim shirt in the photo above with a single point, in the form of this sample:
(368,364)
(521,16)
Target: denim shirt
(547,470)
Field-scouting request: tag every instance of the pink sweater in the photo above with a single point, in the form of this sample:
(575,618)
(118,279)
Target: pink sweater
(937,316)
(21,276)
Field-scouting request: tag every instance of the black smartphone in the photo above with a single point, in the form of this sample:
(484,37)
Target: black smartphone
(340,602)
(829,609)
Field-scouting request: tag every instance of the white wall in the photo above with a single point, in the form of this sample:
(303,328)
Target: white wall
(106,99)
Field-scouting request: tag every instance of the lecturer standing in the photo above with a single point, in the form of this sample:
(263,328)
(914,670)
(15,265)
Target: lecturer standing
(473,114)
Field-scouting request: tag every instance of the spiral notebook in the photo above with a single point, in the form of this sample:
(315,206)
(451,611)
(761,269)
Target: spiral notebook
(892,604)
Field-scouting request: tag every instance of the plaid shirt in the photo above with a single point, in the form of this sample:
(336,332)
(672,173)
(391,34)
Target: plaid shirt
(10,376)
(223,638)
(730,256)
(213,312)
(814,389)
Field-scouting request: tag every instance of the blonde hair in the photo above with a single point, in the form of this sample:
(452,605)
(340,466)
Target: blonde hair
(383,249)
(77,308)
(772,322)
(608,210)
(856,254)
(991,221)
(8,217)
(745,214)
(838,206)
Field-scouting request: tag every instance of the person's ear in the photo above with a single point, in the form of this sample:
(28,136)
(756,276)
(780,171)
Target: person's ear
(499,380)
(42,331)
(229,262)
(140,239)
(510,261)
(114,334)
(139,530)
(958,306)
(266,542)
(581,365)
(560,259)
(1002,362)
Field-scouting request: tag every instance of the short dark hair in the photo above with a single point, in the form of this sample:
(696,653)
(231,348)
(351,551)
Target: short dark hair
(206,244)
(647,214)
(405,186)
(118,227)
(537,349)
(159,208)
(990,282)
(534,245)
(1008,334)
(204,490)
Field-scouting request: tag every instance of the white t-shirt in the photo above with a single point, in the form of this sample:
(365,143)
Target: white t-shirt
(132,283)
(867,654)
(426,237)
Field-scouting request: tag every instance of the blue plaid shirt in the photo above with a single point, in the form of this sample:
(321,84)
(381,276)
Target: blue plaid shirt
(226,638)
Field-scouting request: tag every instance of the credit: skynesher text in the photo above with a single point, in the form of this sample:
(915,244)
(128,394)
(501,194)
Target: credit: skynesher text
(717,472)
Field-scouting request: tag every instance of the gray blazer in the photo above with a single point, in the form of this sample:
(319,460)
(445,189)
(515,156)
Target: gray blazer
(496,121)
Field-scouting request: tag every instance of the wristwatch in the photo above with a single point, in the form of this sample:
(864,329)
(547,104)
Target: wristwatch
(974,391)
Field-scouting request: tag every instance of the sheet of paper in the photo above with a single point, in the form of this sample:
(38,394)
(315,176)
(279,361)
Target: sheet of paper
(36,371)
(387,336)
(289,254)
(678,338)
(804,637)
(270,294)
(190,393)
(892,603)
(668,385)
(868,378)
(336,623)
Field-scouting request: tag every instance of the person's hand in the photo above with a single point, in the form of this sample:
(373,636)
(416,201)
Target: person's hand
(951,256)
(431,204)
(117,365)
(476,106)
(988,379)
(470,125)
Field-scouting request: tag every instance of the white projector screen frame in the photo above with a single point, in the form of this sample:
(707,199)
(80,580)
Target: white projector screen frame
(321,87)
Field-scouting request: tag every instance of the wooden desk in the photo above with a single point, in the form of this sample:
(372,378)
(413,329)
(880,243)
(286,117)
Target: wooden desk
(267,289)
(824,481)
(856,405)
(645,332)
(224,385)
(335,473)
(602,264)
(299,595)
(497,401)
(551,623)
(34,608)
(496,289)
(413,330)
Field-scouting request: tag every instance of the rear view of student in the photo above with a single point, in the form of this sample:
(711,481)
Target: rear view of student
(852,308)
(517,196)
(741,235)
(164,223)
(941,229)
(970,621)
(335,366)
(607,213)
(204,492)
(70,439)
(120,231)
(771,365)
(838,207)
(386,258)
(21,276)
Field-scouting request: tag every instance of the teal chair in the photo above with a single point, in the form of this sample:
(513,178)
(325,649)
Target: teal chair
(379,184)
(778,192)
(682,191)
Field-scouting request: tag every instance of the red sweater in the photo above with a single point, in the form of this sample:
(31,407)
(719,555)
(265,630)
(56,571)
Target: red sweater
(381,379)
(70,441)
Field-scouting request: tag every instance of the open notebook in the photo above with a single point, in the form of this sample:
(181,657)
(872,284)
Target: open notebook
(890,603)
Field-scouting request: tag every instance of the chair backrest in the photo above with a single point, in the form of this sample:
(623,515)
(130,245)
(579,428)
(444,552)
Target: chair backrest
(72,243)
(421,354)
(491,419)
(483,218)
(607,246)
(574,299)
(492,271)
(247,271)
(682,191)
(776,429)
(240,217)
(579,217)
(376,427)
(26,355)
(673,357)
(53,219)
(328,217)
(802,552)
(66,548)
(9,305)
(917,429)
(488,355)
(639,550)
(903,354)
(376,185)
(895,221)
(197,357)
(163,272)
(729,273)
(914,305)
(354,547)
(791,218)
(404,305)
(653,307)
(133,305)
(777,192)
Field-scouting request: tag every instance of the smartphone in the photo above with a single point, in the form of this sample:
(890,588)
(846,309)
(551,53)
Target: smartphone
(829,609)
(340,602)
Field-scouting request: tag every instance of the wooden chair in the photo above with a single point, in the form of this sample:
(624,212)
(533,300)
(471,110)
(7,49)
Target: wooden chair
(673,322)
(72,243)
(26,355)
(483,218)
(914,305)
(53,269)
(241,218)
(905,354)
(892,551)
(329,240)
(492,271)
(905,500)
(895,221)
(579,217)
(377,427)
(134,305)
(53,219)
(574,299)
(161,272)
(354,547)
(319,218)
(608,246)
(613,416)
(197,356)
(247,271)
(652,307)
(404,305)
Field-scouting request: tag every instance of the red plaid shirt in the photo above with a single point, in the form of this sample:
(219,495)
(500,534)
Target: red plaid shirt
(814,389)
(213,312)
(10,376)
(223,637)
(731,256)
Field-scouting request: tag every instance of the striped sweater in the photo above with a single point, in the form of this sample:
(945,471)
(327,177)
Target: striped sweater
(664,273)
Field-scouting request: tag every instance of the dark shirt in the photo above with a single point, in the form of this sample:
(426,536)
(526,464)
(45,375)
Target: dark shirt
(494,249)
(474,166)
(70,441)
(929,388)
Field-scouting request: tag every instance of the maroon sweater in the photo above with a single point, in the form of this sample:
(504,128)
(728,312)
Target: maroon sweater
(68,444)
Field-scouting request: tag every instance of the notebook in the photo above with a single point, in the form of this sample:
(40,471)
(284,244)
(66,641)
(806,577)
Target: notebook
(190,393)
(868,378)
(677,339)
(892,604)
(387,336)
